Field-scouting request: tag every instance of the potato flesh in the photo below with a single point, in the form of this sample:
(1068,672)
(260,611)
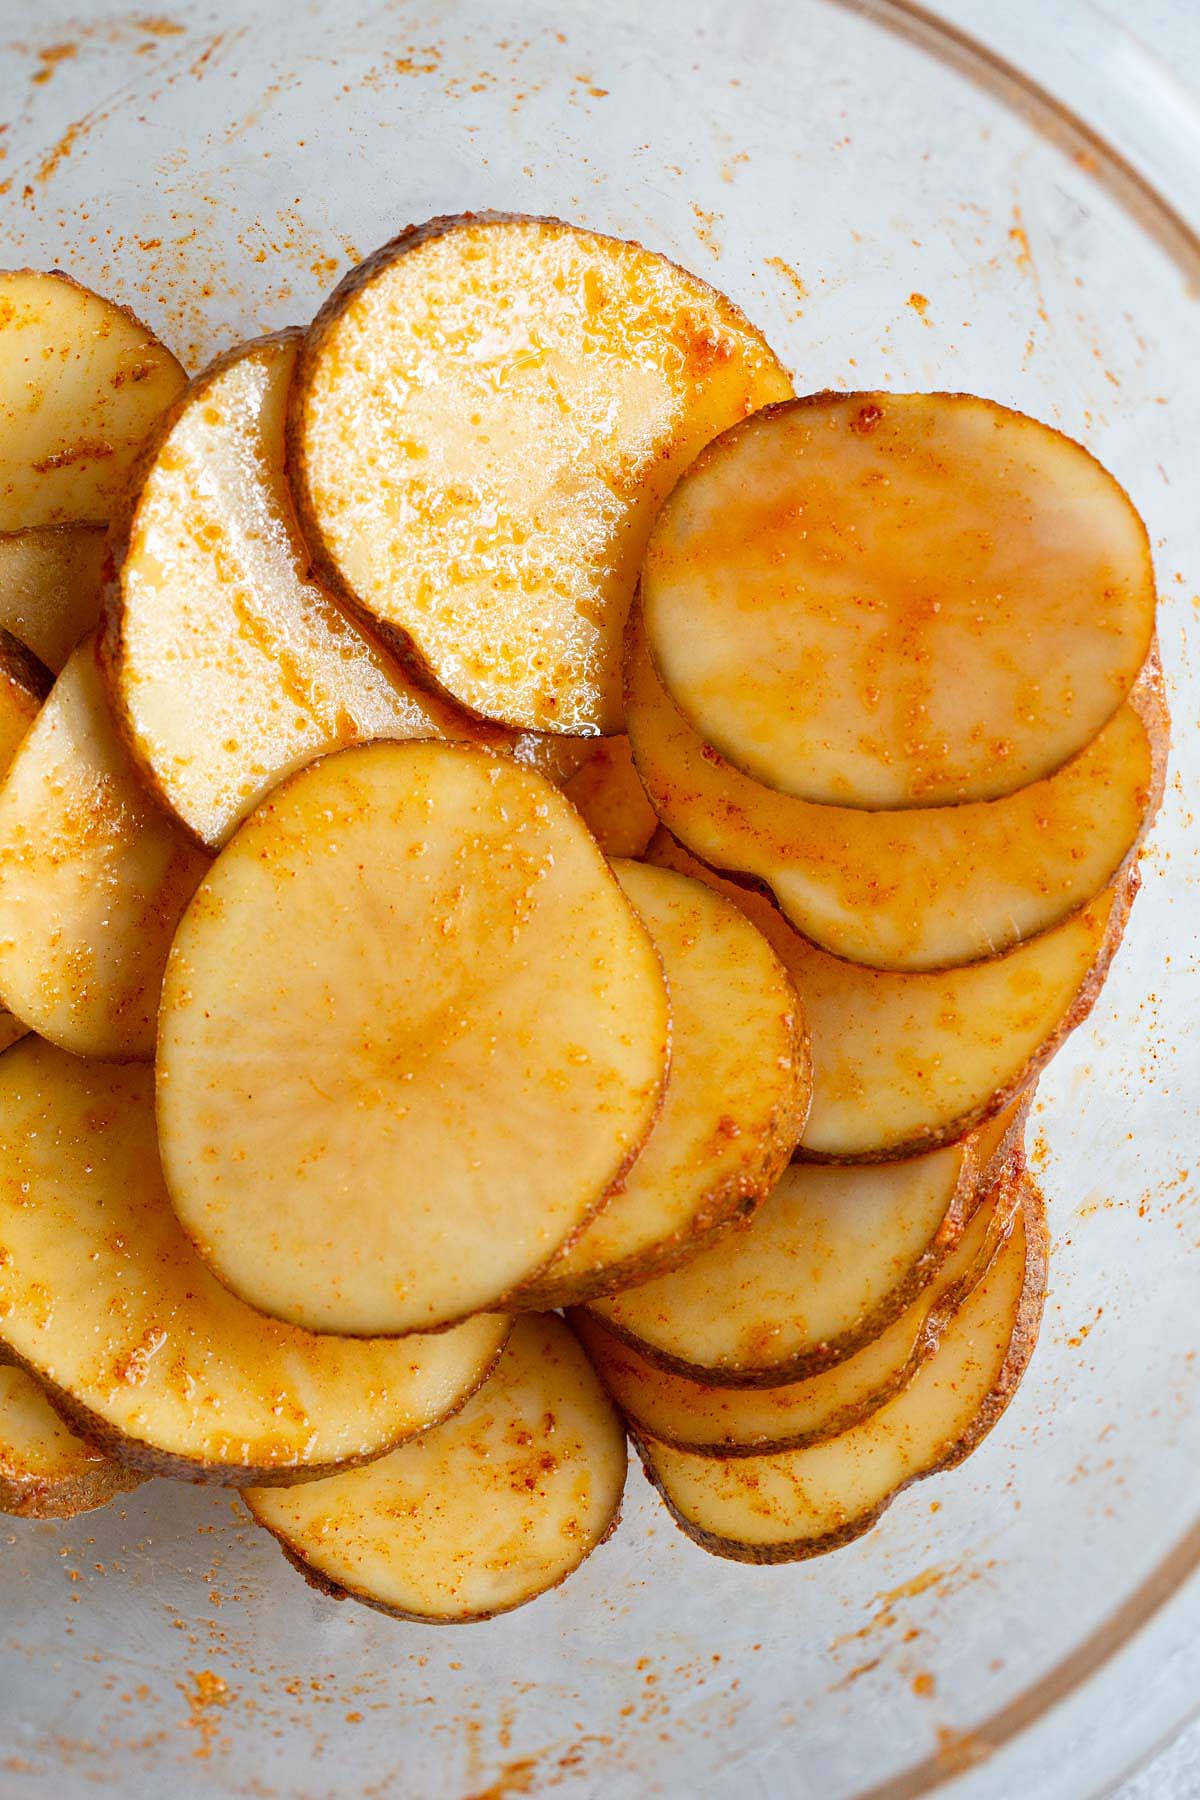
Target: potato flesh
(612,800)
(887,600)
(735,1101)
(102,1294)
(81,384)
(411,1033)
(798,1503)
(50,581)
(483,1513)
(905,1059)
(923,888)
(46,1471)
(485,420)
(93,878)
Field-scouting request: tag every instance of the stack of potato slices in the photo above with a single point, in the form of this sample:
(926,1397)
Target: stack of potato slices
(537,874)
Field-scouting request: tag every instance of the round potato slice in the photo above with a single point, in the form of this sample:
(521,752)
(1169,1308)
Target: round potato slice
(81,383)
(46,1471)
(735,1102)
(613,801)
(828,1261)
(486,415)
(93,878)
(105,1300)
(887,600)
(799,1503)
(50,587)
(411,1034)
(924,888)
(904,1061)
(482,1514)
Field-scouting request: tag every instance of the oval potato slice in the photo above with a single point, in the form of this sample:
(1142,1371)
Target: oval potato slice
(735,1102)
(93,878)
(905,1061)
(81,383)
(486,415)
(829,1260)
(483,1513)
(105,1300)
(46,1471)
(924,888)
(887,600)
(411,1034)
(50,587)
(612,800)
(801,1503)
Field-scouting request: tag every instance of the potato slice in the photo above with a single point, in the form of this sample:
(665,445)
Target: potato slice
(829,1260)
(486,415)
(613,801)
(46,1472)
(725,1421)
(81,383)
(50,587)
(482,1514)
(735,1103)
(93,878)
(105,1300)
(902,1062)
(411,1033)
(800,1503)
(888,600)
(926,888)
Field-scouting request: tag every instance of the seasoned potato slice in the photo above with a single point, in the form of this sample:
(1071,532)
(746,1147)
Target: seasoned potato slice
(905,1061)
(923,888)
(93,878)
(46,1471)
(484,1512)
(613,801)
(889,600)
(81,383)
(485,418)
(735,1102)
(798,1503)
(411,1034)
(50,587)
(829,1260)
(104,1299)
(725,1421)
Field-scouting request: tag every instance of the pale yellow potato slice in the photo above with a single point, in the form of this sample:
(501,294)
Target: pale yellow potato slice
(93,878)
(613,801)
(829,1260)
(799,1503)
(886,600)
(51,586)
(46,1471)
(735,1102)
(104,1299)
(904,1061)
(485,418)
(484,1512)
(922,888)
(81,383)
(411,1034)
(725,1421)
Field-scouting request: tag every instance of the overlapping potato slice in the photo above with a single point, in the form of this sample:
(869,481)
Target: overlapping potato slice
(485,417)
(105,1300)
(735,1102)
(50,587)
(608,793)
(799,1503)
(93,878)
(81,383)
(921,888)
(484,1512)
(905,1061)
(46,1471)
(411,1033)
(829,1260)
(742,1421)
(897,599)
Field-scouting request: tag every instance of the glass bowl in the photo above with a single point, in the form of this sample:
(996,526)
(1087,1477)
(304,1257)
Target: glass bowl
(897,208)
